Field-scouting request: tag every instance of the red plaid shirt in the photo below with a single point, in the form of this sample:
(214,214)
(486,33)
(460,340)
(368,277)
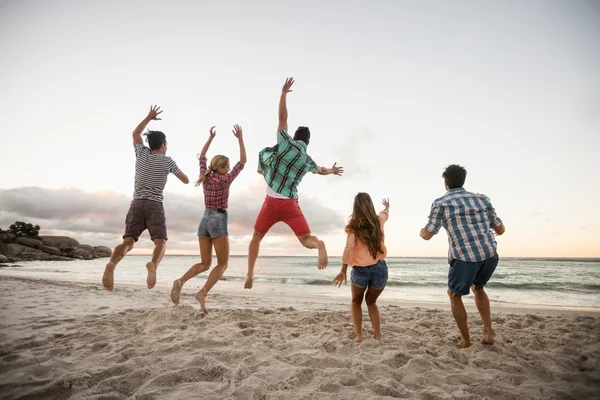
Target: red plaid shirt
(216,187)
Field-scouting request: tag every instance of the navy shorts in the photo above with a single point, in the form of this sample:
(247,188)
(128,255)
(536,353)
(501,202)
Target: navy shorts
(463,274)
(213,223)
(375,275)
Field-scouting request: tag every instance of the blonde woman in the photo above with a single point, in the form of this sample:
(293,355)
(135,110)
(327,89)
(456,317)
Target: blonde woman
(365,251)
(212,232)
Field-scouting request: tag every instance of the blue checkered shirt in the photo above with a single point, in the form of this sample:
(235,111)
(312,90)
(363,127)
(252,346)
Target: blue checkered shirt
(468,219)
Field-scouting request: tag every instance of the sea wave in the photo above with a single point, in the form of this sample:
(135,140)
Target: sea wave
(541,286)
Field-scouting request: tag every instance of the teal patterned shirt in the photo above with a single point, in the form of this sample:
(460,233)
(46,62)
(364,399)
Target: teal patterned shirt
(285,164)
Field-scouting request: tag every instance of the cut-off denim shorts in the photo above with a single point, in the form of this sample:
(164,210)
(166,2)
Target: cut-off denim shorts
(375,275)
(213,223)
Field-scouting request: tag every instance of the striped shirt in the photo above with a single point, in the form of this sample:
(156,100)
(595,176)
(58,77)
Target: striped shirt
(216,186)
(468,219)
(151,172)
(285,164)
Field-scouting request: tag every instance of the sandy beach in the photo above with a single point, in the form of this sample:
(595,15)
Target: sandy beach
(61,340)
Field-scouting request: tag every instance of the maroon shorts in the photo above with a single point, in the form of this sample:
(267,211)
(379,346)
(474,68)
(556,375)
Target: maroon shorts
(146,214)
(281,210)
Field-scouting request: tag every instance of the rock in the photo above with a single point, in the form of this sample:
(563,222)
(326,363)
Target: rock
(10,236)
(89,248)
(29,242)
(102,251)
(11,249)
(77,252)
(51,250)
(59,241)
(29,254)
(3,258)
(3,237)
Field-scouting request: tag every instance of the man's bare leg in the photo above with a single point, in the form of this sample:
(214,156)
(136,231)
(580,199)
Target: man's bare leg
(205,245)
(460,316)
(483,306)
(356,311)
(117,255)
(221,244)
(160,246)
(371,300)
(253,250)
(312,242)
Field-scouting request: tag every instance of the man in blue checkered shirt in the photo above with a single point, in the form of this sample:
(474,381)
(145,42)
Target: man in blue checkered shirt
(469,220)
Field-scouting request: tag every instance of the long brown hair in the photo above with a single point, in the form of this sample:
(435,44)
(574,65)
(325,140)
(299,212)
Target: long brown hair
(216,162)
(365,225)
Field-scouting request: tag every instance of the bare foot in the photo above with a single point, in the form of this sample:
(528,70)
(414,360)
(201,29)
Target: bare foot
(201,297)
(176,292)
(151,280)
(463,344)
(358,338)
(378,337)
(108,279)
(248,284)
(488,337)
(322,262)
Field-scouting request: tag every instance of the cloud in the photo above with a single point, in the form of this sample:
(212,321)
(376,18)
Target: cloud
(98,218)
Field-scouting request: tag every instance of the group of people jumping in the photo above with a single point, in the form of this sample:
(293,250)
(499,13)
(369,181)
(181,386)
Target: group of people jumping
(469,219)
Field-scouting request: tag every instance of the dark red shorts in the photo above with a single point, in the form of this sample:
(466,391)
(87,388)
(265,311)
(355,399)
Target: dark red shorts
(281,210)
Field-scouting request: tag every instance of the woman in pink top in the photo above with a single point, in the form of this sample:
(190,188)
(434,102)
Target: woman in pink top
(365,251)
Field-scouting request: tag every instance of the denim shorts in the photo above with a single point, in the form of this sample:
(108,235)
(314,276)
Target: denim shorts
(213,224)
(463,274)
(375,275)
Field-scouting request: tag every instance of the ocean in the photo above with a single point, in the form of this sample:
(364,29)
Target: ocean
(517,281)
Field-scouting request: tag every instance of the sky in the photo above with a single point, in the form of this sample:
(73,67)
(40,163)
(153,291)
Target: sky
(393,91)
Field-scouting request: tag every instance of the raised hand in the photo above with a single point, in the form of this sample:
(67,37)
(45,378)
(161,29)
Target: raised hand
(337,170)
(287,85)
(154,113)
(386,203)
(339,279)
(237,131)
(212,132)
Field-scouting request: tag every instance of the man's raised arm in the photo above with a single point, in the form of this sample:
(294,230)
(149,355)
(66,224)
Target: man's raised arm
(283,113)
(152,115)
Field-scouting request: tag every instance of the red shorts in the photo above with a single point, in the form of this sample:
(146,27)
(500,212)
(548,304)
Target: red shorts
(281,210)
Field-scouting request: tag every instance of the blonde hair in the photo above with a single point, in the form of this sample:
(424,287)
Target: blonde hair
(216,162)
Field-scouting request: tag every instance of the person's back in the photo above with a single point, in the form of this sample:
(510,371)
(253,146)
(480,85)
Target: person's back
(285,164)
(151,172)
(146,210)
(365,251)
(467,217)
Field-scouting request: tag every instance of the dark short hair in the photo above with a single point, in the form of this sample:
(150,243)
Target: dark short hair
(303,134)
(155,139)
(454,176)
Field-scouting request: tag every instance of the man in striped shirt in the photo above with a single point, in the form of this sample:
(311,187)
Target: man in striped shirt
(283,167)
(146,211)
(469,219)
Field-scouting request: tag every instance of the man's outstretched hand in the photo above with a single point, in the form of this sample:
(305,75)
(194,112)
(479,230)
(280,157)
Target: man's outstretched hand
(337,170)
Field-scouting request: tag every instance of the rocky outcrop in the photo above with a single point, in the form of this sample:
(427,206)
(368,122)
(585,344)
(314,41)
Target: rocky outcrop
(29,242)
(102,251)
(59,241)
(49,248)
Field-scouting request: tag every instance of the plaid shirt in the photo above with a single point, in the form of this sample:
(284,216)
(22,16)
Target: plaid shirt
(285,164)
(216,187)
(468,219)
